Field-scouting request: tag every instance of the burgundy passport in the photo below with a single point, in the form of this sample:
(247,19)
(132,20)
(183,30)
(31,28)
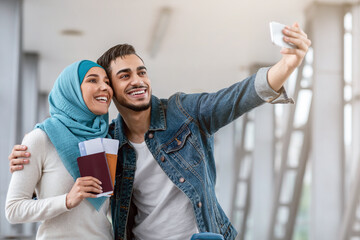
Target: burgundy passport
(95,165)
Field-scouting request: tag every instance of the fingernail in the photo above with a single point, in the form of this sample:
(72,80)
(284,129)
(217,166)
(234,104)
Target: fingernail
(27,154)
(23,147)
(26,160)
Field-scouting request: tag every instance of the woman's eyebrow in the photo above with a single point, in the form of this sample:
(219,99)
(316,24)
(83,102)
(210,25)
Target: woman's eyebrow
(92,75)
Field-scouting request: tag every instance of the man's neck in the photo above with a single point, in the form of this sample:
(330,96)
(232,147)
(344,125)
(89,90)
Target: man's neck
(136,123)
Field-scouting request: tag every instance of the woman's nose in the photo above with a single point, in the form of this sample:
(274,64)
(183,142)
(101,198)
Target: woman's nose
(104,86)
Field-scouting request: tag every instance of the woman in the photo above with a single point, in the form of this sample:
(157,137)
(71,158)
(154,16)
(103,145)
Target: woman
(79,104)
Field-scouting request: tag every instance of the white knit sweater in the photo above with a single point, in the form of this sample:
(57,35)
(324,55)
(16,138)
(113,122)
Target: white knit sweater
(47,176)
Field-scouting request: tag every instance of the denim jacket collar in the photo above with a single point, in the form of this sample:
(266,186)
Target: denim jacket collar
(157,121)
(119,130)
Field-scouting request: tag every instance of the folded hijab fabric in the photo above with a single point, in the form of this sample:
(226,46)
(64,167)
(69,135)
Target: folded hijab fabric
(70,120)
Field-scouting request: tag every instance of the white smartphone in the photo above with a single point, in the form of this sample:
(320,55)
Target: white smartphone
(277,37)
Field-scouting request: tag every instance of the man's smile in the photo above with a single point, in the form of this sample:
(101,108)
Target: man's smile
(138,92)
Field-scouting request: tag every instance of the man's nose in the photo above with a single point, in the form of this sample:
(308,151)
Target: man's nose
(137,81)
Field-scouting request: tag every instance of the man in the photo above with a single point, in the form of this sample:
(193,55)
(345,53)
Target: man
(166,169)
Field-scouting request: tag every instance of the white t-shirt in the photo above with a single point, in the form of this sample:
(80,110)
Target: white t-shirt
(164,211)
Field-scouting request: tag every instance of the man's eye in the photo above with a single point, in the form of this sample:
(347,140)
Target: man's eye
(142,73)
(124,76)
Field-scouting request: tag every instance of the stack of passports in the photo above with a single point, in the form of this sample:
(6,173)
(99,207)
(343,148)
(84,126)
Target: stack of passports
(95,165)
(98,159)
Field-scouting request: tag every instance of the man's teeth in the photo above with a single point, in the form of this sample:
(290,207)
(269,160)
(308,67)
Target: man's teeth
(102,99)
(137,92)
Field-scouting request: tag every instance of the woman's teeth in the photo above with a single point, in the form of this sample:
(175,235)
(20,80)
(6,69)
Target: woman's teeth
(102,99)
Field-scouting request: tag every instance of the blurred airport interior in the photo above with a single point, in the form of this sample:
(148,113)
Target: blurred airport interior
(284,172)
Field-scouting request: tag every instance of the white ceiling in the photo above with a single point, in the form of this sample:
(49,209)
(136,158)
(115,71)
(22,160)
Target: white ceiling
(207,45)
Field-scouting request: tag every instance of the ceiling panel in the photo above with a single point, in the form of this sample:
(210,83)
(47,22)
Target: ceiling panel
(205,44)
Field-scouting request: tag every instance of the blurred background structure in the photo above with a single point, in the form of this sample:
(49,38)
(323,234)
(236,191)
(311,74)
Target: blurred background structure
(284,172)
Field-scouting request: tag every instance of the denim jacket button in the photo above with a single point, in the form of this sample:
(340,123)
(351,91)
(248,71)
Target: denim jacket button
(199,204)
(182,180)
(162,159)
(151,135)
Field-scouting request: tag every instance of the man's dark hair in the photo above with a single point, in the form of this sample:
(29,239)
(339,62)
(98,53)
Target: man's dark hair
(120,50)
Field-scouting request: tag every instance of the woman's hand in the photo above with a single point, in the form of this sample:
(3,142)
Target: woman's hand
(84,187)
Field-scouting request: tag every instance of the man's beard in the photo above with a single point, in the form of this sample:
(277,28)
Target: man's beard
(136,108)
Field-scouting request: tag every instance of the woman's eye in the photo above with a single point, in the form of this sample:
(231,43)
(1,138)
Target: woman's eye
(92,80)
(108,83)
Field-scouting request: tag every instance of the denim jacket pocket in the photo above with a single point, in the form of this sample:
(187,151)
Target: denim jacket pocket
(182,147)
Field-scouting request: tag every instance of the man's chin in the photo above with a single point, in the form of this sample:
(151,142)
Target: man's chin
(136,108)
(122,103)
(139,108)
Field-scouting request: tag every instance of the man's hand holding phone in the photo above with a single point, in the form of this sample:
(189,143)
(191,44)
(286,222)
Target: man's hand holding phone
(277,35)
(294,45)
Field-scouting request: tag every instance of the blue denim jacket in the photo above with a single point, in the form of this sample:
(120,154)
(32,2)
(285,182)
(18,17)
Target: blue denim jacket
(181,140)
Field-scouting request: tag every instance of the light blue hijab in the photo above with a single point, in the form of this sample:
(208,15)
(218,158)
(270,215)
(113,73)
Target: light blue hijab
(70,120)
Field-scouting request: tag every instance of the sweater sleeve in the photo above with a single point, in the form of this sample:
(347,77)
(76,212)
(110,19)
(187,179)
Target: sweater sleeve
(20,206)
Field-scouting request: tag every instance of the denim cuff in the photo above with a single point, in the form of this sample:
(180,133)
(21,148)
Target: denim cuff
(268,94)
